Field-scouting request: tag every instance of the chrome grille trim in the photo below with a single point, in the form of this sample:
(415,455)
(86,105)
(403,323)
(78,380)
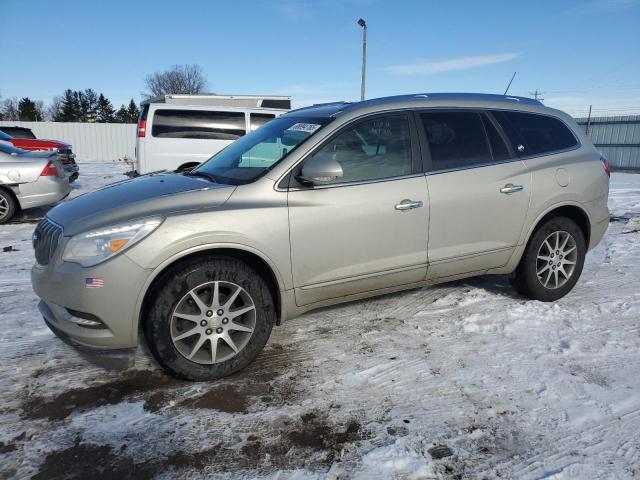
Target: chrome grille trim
(45,240)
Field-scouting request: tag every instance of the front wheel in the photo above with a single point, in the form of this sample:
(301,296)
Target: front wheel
(552,261)
(209,318)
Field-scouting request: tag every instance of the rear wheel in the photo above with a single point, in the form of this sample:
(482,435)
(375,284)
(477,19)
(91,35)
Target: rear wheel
(7,206)
(209,318)
(552,261)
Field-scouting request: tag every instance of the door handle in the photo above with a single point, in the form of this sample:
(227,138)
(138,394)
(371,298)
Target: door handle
(405,205)
(511,188)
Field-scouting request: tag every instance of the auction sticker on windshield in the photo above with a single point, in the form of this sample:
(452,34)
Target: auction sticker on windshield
(304,127)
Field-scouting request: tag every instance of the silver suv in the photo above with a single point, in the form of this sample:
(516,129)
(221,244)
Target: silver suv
(323,205)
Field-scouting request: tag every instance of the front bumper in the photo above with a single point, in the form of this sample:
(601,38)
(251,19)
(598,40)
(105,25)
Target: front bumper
(73,309)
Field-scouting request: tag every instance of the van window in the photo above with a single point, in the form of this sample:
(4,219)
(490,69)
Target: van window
(256,120)
(169,123)
(372,149)
(456,139)
(540,133)
(499,150)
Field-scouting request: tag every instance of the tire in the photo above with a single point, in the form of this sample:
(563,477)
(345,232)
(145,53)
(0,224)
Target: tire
(538,260)
(7,206)
(174,311)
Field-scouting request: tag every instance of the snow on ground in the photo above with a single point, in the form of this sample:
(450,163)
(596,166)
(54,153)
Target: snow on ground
(462,380)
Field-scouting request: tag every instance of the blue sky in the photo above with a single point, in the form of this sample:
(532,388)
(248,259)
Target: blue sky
(575,52)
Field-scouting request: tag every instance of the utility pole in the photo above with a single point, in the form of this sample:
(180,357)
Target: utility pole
(589,120)
(537,95)
(363,24)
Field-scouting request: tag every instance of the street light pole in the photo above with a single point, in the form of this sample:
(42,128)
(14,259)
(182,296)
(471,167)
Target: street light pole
(363,24)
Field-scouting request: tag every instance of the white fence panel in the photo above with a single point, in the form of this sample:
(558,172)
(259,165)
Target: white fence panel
(92,142)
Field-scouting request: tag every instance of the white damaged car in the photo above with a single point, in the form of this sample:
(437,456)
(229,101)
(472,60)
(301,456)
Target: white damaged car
(29,179)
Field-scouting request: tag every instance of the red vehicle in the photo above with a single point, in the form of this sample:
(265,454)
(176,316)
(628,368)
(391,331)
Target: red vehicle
(21,137)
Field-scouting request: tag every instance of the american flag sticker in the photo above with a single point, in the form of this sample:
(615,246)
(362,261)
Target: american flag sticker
(93,282)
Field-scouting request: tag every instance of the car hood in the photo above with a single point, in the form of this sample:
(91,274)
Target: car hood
(164,193)
(38,143)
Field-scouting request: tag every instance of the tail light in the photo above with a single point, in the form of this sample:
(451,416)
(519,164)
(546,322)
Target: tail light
(142,128)
(607,166)
(50,170)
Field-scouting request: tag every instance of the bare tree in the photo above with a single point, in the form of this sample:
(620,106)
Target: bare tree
(10,109)
(188,79)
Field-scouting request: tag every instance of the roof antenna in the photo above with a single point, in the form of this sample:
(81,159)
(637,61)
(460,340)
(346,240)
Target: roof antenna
(510,81)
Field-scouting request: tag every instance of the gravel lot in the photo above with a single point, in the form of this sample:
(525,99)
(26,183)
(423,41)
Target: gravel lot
(462,380)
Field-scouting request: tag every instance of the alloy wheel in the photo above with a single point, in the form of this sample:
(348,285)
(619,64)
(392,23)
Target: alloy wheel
(213,322)
(4,206)
(556,260)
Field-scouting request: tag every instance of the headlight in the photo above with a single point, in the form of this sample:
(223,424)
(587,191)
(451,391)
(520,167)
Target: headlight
(93,247)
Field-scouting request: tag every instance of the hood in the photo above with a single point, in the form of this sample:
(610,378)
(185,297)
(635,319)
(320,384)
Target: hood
(38,143)
(164,194)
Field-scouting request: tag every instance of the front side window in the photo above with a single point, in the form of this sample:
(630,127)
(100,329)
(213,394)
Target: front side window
(456,139)
(201,124)
(259,151)
(540,133)
(373,149)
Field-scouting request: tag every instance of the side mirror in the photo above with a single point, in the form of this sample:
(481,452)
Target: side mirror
(321,168)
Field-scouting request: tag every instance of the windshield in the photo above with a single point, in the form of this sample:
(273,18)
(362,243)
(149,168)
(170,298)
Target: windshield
(252,155)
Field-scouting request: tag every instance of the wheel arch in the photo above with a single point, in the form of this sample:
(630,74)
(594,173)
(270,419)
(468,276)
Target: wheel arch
(253,258)
(573,211)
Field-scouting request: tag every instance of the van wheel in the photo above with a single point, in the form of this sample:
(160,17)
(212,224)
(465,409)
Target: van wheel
(552,261)
(7,206)
(208,318)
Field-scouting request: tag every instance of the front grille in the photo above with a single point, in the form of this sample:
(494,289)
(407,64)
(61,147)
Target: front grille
(45,240)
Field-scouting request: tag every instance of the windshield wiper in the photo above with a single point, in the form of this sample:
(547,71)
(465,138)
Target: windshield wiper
(206,175)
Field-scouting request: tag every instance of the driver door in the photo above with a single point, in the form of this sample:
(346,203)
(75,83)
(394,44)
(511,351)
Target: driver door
(367,230)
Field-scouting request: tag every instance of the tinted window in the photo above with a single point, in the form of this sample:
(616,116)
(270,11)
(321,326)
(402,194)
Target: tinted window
(499,149)
(17,132)
(456,139)
(372,149)
(198,124)
(276,103)
(540,133)
(258,119)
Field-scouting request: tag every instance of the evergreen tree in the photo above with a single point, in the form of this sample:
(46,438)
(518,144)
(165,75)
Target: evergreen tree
(88,101)
(28,111)
(122,115)
(105,112)
(133,112)
(70,110)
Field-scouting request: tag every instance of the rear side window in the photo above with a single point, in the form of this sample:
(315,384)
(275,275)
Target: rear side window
(256,120)
(499,149)
(539,133)
(198,124)
(456,139)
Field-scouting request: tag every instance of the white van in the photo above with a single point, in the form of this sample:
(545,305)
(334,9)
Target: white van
(181,131)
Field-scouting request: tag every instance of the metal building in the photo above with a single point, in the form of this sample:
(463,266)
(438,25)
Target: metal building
(618,138)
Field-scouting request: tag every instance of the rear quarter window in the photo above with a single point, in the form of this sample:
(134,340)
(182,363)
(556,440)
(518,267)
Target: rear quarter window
(540,133)
(200,124)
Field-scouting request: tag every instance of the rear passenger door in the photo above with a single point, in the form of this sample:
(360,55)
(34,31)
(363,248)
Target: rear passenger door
(479,192)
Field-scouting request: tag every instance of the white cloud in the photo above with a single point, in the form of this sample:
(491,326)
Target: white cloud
(458,63)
